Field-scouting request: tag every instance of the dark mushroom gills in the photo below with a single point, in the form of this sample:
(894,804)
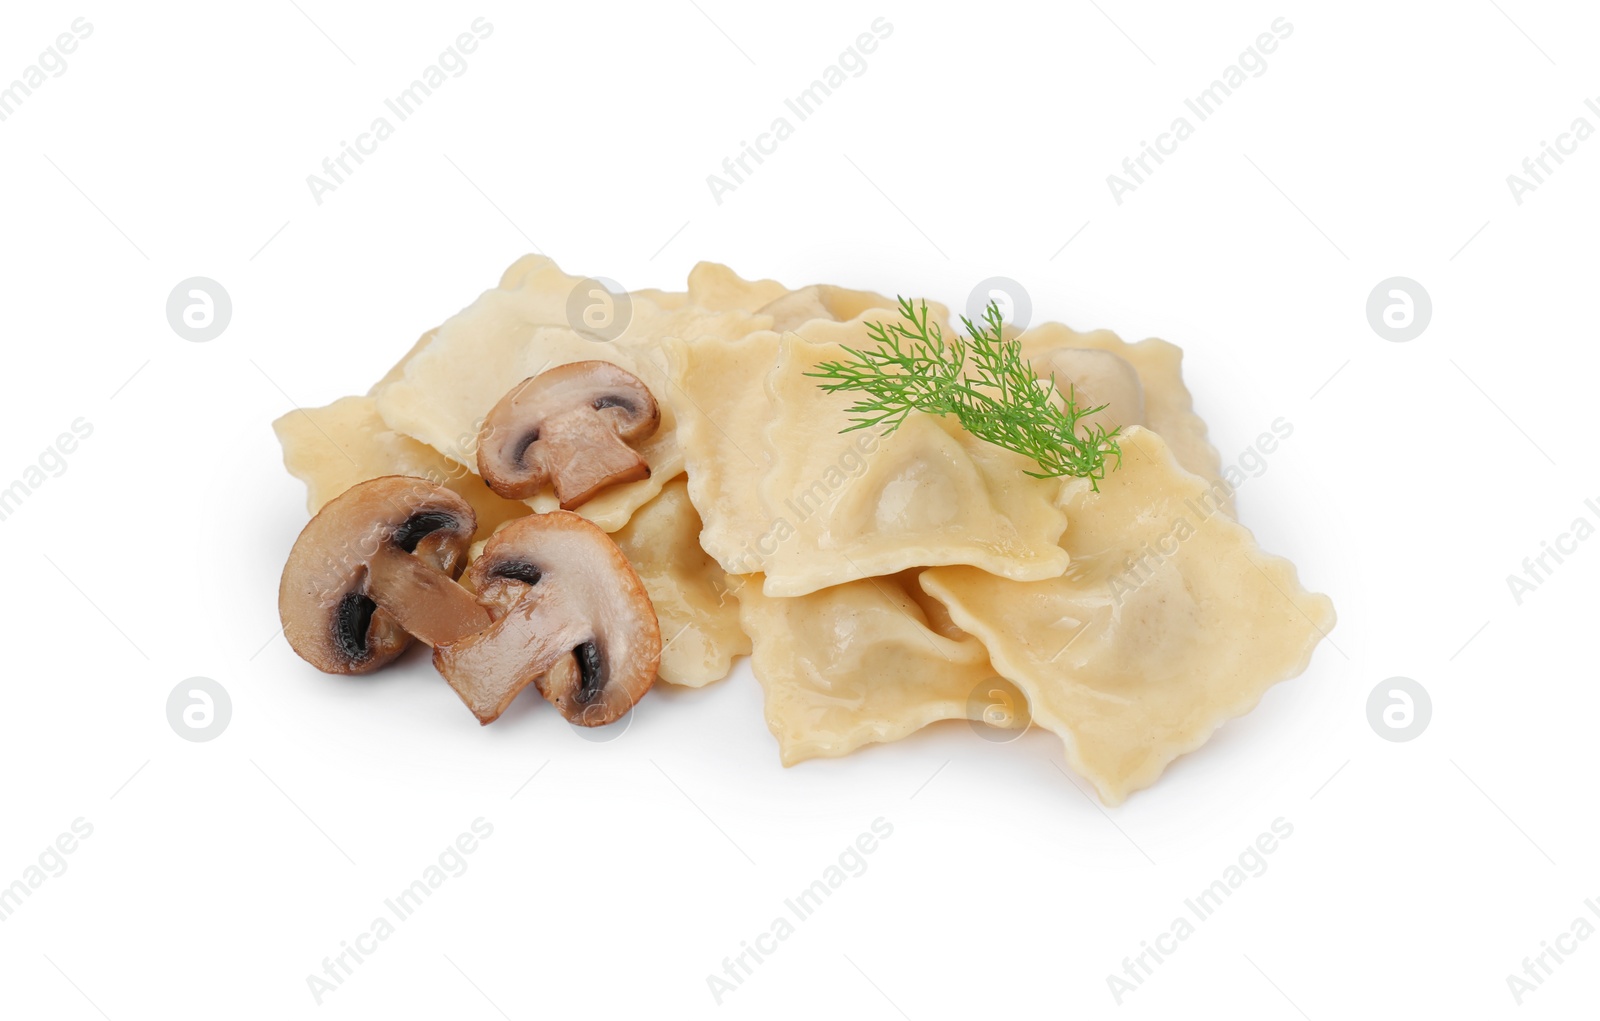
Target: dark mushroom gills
(570,616)
(375,568)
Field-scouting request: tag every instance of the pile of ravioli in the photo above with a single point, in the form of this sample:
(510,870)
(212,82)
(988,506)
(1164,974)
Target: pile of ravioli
(878,583)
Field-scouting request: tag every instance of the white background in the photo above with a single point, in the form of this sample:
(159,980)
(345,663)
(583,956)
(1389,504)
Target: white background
(977,143)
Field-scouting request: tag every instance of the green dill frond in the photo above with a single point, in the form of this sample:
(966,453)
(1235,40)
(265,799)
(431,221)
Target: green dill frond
(982,380)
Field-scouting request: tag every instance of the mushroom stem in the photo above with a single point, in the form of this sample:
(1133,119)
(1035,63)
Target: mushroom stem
(584,460)
(427,604)
(572,617)
(489,668)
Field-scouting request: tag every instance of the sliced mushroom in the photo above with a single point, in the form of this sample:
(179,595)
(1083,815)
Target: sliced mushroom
(571,427)
(376,567)
(570,616)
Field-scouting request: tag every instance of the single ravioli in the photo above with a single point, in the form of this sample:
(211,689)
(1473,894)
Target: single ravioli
(856,664)
(699,614)
(723,415)
(331,449)
(1167,407)
(1170,621)
(519,330)
(848,505)
(720,430)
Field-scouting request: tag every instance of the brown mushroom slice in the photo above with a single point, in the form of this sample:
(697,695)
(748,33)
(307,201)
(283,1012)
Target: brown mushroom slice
(571,427)
(570,615)
(373,569)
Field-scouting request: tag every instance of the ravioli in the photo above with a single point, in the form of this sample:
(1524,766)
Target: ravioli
(849,505)
(855,664)
(1169,622)
(331,449)
(724,451)
(725,410)
(1167,407)
(519,330)
(699,613)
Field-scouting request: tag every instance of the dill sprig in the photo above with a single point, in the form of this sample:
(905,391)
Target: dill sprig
(983,380)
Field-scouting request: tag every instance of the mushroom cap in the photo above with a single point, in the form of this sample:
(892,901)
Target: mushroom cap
(376,565)
(570,615)
(569,427)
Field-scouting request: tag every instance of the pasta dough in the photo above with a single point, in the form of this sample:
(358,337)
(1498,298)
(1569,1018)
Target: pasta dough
(1168,408)
(724,413)
(855,505)
(715,287)
(699,613)
(400,366)
(1170,621)
(331,449)
(823,301)
(718,288)
(725,453)
(855,664)
(1096,379)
